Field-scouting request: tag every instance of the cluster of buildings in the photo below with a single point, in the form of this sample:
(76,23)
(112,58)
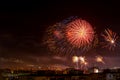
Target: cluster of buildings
(68,74)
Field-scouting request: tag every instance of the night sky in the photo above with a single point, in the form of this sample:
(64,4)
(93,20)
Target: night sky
(23,26)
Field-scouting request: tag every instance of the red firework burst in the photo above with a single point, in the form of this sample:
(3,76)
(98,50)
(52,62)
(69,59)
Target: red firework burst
(79,33)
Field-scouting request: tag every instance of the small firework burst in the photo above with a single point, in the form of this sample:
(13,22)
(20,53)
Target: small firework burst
(75,59)
(99,59)
(110,38)
(82,59)
(83,62)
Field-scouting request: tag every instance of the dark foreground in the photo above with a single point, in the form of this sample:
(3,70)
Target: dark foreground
(70,74)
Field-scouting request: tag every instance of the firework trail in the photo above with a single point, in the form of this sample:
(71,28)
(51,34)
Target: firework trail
(110,38)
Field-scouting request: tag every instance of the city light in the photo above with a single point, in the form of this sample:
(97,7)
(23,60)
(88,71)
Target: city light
(96,70)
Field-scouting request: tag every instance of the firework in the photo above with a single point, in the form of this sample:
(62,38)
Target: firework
(75,59)
(62,39)
(99,59)
(80,62)
(110,38)
(79,33)
(83,62)
(54,40)
(82,59)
